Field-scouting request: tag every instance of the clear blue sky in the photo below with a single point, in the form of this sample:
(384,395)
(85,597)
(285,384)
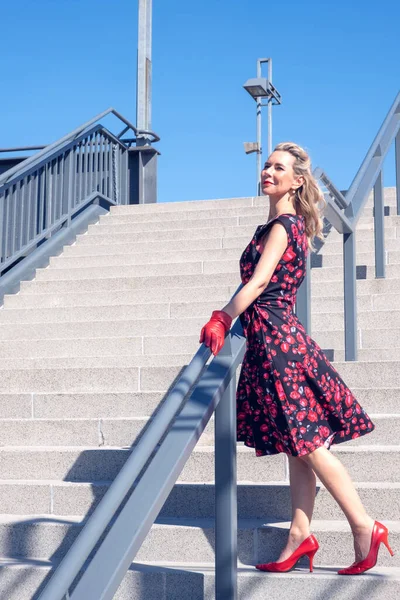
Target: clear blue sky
(336,65)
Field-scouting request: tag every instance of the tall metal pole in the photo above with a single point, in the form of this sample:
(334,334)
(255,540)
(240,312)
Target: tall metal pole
(269,60)
(145,161)
(143,88)
(259,142)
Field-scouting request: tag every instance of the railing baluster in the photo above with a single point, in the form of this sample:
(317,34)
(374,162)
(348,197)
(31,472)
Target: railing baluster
(397,153)
(85,169)
(6,227)
(2,212)
(80,172)
(92,162)
(12,232)
(97,163)
(303,300)
(101,173)
(21,214)
(350,295)
(29,188)
(379,228)
(226,492)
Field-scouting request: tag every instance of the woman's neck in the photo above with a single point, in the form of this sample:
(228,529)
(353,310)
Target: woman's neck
(281,206)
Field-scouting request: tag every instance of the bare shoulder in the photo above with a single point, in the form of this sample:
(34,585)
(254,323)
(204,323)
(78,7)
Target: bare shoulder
(276,232)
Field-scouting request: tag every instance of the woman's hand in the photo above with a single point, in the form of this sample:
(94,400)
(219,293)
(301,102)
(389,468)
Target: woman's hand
(213,332)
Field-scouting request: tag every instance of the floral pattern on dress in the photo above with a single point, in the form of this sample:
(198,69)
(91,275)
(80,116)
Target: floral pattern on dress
(289,397)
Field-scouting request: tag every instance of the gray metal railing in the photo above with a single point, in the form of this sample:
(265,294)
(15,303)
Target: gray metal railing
(188,410)
(44,192)
(343,212)
(170,439)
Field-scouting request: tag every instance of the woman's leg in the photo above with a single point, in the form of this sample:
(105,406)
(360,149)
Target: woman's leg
(337,481)
(302,492)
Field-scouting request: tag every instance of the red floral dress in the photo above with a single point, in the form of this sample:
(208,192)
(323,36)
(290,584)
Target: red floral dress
(289,397)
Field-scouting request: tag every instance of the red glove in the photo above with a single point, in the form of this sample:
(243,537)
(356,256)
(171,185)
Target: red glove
(213,332)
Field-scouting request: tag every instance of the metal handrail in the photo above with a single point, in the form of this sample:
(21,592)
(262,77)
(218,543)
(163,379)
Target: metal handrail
(215,390)
(71,136)
(367,174)
(217,383)
(94,528)
(22,148)
(43,193)
(343,212)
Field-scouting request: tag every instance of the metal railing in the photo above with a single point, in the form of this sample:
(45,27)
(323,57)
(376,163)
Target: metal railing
(45,191)
(126,515)
(188,407)
(343,212)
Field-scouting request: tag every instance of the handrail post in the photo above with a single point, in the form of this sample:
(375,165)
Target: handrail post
(397,153)
(379,228)
(303,301)
(226,492)
(350,295)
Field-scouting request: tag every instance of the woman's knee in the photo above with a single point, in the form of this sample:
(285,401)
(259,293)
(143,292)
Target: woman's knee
(297,463)
(312,457)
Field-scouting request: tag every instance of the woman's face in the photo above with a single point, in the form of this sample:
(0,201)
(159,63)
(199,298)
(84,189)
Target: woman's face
(277,176)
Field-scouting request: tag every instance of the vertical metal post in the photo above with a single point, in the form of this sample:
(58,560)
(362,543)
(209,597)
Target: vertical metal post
(143,92)
(226,494)
(259,141)
(379,228)
(397,153)
(269,60)
(350,295)
(144,167)
(303,300)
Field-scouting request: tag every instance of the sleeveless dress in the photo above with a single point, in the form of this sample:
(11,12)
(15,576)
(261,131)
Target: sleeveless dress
(289,397)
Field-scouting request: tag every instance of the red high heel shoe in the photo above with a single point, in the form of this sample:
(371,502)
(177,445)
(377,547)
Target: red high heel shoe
(307,548)
(379,536)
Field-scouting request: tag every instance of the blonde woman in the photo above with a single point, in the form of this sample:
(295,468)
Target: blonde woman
(290,398)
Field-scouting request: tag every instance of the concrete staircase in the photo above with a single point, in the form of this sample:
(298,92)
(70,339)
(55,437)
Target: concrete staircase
(88,350)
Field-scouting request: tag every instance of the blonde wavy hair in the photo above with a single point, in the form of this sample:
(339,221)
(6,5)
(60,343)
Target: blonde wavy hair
(309,199)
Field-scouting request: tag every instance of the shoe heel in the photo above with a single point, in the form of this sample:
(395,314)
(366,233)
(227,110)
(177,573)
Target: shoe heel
(311,558)
(386,542)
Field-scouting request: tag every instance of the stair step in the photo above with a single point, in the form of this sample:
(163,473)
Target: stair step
(77,262)
(165,311)
(189,205)
(85,262)
(87,405)
(333,245)
(22,578)
(112,298)
(367,338)
(182,303)
(124,432)
(97,237)
(138,216)
(258,540)
(110,350)
(238,242)
(90,379)
(364,462)
(113,284)
(115,432)
(109,225)
(90,405)
(102,464)
(191,500)
(323,332)
(330,288)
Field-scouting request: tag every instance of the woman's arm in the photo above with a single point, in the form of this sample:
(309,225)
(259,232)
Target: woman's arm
(274,248)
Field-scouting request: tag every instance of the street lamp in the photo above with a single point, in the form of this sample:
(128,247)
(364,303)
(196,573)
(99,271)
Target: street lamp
(259,88)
